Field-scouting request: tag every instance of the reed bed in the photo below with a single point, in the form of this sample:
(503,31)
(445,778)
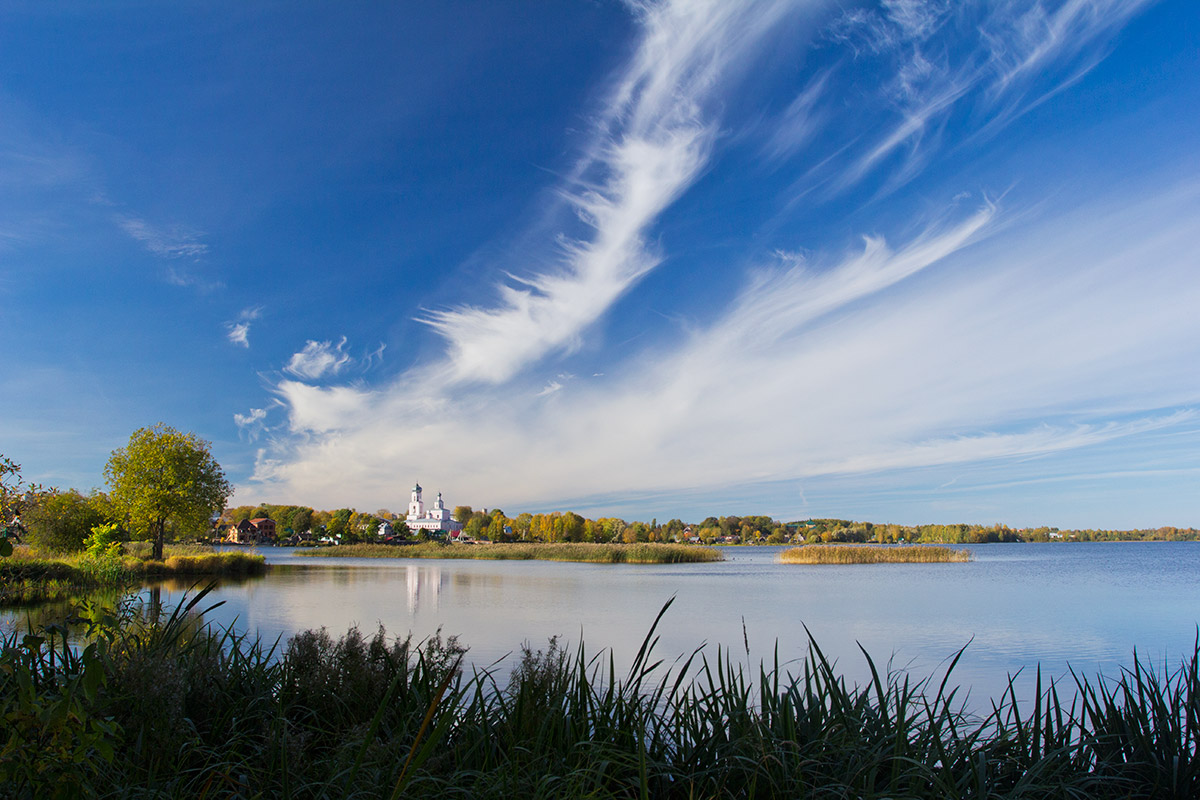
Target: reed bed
(174,708)
(649,553)
(851,554)
(27,577)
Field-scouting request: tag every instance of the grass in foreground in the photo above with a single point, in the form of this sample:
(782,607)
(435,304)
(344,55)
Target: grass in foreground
(851,554)
(29,577)
(650,553)
(177,709)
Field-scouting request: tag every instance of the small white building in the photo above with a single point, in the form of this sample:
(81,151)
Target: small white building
(437,518)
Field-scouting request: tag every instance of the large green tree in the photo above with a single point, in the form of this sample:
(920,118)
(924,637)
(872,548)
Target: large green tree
(164,476)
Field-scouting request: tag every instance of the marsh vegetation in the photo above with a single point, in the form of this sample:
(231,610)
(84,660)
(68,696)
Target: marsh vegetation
(851,554)
(645,553)
(172,707)
(28,576)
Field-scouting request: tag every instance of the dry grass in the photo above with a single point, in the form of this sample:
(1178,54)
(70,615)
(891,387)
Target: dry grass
(852,554)
(566,551)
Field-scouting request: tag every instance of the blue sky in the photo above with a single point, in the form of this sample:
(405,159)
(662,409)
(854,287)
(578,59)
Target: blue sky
(907,261)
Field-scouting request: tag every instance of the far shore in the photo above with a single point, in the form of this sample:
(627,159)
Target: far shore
(645,553)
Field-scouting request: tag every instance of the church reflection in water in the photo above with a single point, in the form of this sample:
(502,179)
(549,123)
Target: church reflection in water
(424,584)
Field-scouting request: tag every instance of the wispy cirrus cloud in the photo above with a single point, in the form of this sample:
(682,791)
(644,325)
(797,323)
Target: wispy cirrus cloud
(888,357)
(800,121)
(252,424)
(653,140)
(172,242)
(912,59)
(238,331)
(986,336)
(319,359)
(181,248)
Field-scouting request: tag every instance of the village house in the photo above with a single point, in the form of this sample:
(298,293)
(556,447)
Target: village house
(252,531)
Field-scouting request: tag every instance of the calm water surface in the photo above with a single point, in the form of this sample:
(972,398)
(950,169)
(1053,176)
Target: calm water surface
(1089,604)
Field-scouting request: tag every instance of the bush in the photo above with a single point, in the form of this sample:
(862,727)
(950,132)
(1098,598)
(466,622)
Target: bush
(104,542)
(59,522)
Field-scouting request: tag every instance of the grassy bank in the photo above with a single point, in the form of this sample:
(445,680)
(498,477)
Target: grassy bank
(172,709)
(29,577)
(594,553)
(851,554)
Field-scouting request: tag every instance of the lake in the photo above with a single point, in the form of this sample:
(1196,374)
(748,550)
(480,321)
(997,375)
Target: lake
(1089,604)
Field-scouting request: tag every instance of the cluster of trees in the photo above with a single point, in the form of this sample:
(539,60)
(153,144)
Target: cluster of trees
(559,526)
(496,526)
(567,526)
(1164,534)
(841,530)
(163,484)
(745,530)
(345,524)
(349,525)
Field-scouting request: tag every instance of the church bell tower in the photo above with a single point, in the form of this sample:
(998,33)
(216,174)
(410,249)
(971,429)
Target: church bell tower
(416,508)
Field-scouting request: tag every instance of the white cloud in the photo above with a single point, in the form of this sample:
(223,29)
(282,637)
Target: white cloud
(173,242)
(653,140)
(318,410)
(800,122)
(238,331)
(374,356)
(1024,39)
(935,351)
(918,19)
(252,424)
(550,388)
(318,359)
(179,246)
(983,338)
(1023,53)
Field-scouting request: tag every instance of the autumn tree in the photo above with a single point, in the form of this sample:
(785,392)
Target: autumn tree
(163,476)
(299,520)
(338,526)
(522,525)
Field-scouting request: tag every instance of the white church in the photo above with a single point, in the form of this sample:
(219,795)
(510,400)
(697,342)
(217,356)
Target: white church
(436,518)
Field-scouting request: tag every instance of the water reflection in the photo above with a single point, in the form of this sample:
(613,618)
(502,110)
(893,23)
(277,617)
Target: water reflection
(428,578)
(1017,605)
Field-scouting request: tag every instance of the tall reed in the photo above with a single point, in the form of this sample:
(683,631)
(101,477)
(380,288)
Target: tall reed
(27,577)
(852,554)
(170,707)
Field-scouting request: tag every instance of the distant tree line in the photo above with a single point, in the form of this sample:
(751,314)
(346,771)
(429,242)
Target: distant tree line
(841,530)
(61,520)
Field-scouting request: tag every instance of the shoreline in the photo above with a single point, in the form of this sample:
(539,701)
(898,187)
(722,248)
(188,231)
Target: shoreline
(584,552)
(28,578)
